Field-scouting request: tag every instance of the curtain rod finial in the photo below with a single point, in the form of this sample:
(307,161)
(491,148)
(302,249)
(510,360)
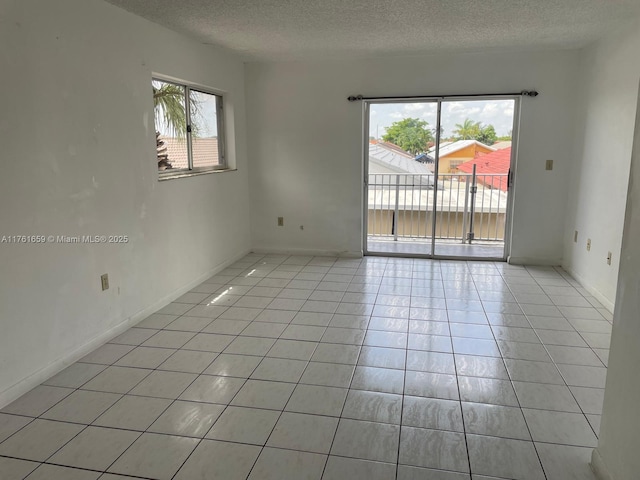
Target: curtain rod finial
(353,98)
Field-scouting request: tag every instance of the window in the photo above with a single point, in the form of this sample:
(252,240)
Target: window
(189,129)
(454,164)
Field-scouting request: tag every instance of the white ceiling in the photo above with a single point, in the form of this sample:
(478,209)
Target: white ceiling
(293,29)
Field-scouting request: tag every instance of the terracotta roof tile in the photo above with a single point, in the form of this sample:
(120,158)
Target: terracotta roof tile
(205,151)
(497,162)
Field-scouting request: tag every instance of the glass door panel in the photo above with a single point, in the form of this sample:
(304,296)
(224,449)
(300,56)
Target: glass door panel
(474,163)
(399,177)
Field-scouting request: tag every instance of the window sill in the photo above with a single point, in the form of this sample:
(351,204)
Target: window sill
(162,178)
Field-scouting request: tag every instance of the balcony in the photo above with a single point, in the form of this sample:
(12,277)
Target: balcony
(470,214)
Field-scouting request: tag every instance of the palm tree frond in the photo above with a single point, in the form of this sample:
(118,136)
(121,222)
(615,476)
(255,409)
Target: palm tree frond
(169,108)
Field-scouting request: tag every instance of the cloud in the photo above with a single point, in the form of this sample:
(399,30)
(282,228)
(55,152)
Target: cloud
(454,106)
(490,108)
(412,107)
(398,115)
(429,117)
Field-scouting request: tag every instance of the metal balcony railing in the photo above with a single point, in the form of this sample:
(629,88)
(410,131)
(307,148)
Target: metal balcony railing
(468,207)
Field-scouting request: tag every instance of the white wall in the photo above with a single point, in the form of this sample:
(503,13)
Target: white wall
(616,457)
(602,191)
(305,142)
(596,199)
(78,158)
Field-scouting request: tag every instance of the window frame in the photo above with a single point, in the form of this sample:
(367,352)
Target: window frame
(220,123)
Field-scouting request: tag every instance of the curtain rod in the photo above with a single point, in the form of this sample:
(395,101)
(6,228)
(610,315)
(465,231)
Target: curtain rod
(524,93)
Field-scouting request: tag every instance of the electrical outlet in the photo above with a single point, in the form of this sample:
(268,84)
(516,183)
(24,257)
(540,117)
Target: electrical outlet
(281,221)
(575,236)
(548,165)
(588,244)
(104,280)
(609,255)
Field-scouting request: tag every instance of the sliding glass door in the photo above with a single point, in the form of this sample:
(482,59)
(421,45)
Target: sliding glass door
(437,176)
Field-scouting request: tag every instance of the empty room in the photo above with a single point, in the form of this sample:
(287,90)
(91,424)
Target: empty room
(319,240)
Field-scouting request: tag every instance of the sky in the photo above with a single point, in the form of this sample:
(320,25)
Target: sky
(498,113)
(207,119)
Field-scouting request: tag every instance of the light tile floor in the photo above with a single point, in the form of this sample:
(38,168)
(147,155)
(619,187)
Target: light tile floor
(322,368)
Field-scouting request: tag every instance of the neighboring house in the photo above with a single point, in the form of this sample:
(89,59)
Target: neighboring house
(392,147)
(443,143)
(488,166)
(425,158)
(205,151)
(407,206)
(387,158)
(456,153)
(502,144)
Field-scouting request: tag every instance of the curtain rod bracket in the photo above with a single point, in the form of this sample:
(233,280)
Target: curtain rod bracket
(355,98)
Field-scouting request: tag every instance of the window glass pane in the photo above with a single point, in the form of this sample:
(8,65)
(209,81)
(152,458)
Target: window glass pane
(204,129)
(171,125)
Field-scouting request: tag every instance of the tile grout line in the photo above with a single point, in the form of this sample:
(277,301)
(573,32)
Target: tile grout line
(172,401)
(340,417)
(455,366)
(404,380)
(262,448)
(544,345)
(222,412)
(516,393)
(86,426)
(146,429)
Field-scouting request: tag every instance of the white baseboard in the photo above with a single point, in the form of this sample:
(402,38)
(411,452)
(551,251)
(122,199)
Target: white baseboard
(606,303)
(534,261)
(18,389)
(599,467)
(306,251)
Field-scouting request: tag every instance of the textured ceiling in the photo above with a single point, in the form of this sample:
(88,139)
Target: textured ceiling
(290,29)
